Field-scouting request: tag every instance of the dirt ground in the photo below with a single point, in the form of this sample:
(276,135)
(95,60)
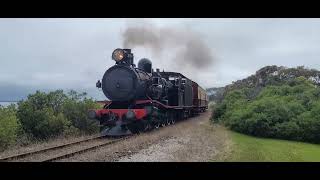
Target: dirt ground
(192,140)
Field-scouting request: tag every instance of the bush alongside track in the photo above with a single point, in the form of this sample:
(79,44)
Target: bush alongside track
(9,126)
(46,115)
(288,111)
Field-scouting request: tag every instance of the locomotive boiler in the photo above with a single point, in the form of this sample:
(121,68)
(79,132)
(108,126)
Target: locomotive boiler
(141,99)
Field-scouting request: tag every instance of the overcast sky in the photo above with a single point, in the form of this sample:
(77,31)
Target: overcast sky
(49,54)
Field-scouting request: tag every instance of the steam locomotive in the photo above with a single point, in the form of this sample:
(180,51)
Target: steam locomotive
(142,99)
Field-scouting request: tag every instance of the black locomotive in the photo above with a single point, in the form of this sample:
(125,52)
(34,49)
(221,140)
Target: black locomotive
(141,99)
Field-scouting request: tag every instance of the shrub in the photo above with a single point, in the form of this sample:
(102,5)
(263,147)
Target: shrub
(40,115)
(75,109)
(287,130)
(309,122)
(43,115)
(233,101)
(9,126)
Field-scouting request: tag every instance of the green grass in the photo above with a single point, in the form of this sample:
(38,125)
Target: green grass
(247,149)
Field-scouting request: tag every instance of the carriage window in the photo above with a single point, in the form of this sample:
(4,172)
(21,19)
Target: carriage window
(183,81)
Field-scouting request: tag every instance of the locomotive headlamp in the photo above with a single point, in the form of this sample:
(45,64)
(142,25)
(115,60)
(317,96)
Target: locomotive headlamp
(118,55)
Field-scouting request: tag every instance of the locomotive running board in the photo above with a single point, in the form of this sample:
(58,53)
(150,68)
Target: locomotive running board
(163,105)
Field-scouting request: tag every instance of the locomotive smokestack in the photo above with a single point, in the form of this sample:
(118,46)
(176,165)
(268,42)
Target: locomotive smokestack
(128,51)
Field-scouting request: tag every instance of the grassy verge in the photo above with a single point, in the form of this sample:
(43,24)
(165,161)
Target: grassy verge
(247,149)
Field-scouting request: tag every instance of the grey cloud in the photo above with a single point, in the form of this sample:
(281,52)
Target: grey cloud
(67,54)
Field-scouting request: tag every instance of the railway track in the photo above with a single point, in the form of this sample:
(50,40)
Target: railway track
(104,142)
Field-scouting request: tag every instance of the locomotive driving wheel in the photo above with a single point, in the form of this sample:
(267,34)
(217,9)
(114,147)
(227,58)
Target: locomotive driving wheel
(164,123)
(163,120)
(133,128)
(147,126)
(157,125)
(172,119)
(168,120)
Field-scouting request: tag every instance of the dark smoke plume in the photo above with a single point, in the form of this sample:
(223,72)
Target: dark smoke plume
(190,48)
